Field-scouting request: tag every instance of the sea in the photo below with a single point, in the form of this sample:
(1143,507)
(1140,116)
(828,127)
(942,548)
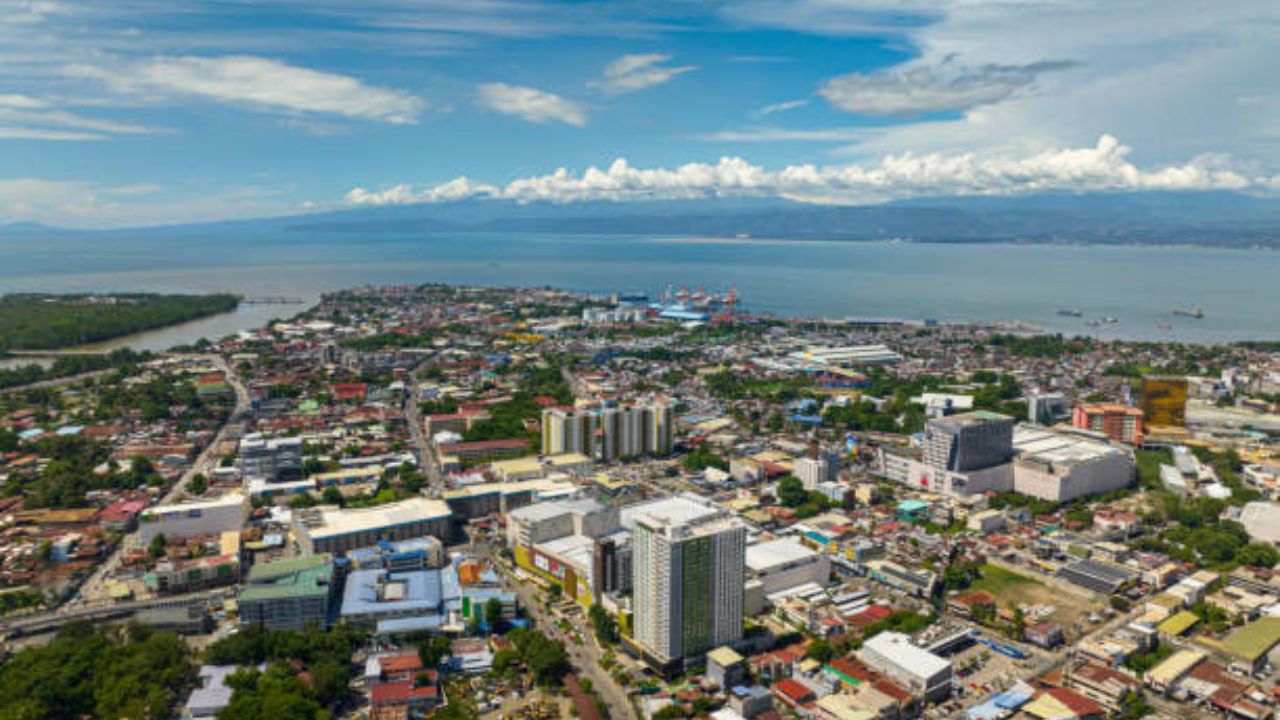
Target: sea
(1137,287)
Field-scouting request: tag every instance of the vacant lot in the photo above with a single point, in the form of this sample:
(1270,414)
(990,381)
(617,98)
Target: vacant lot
(1011,587)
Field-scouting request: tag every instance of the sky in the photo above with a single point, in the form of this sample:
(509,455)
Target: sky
(140,112)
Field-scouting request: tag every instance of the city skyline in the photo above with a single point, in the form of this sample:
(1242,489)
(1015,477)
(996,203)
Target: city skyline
(138,113)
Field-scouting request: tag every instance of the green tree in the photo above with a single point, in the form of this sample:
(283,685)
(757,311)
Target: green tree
(493,611)
(199,483)
(791,492)
(159,545)
(434,650)
(604,623)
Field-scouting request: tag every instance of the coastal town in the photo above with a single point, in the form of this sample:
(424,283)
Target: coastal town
(480,502)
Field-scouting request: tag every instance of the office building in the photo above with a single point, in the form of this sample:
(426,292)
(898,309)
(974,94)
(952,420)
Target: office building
(273,460)
(968,442)
(1164,401)
(608,434)
(330,529)
(1048,408)
(926,675)
(206,517)
(689,560)
(1120,423)
(288,594)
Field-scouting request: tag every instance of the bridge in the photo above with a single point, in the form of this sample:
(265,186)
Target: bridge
(272,300)
(41,623)
(53,353)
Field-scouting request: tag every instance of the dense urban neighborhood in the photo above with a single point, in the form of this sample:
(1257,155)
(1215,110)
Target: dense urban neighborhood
(478,502)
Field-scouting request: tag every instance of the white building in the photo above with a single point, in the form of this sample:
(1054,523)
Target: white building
(548,521)
(922,672)
(330,529)
(689,558)
(786,563)
(206,517)
(1064,466)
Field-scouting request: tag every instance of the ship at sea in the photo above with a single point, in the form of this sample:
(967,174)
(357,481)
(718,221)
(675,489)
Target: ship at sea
(1069,312)
(1193,312)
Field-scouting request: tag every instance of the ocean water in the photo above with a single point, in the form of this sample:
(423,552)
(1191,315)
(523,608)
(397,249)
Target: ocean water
(1238,290)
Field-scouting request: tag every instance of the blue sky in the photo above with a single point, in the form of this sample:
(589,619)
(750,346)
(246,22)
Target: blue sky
(135,112)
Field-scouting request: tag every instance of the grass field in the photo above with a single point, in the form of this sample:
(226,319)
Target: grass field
(1011,587)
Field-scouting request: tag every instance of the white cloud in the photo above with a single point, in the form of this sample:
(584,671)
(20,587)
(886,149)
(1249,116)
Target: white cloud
(631,73)
(256,82)
(79,204)
(776,134)
(781,107)
(1163,73)
(28,118)
(531,104)
(929,87)
(1102,167)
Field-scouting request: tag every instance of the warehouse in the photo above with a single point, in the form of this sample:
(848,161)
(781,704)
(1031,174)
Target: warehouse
(1100,577)
(925,674)
(329,529)
(1061,467)
(787,563)
(207,517)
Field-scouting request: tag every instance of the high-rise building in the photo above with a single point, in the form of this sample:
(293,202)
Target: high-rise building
(1120,423)
(688,559)
(968,442)
(1164,402)
(608,434)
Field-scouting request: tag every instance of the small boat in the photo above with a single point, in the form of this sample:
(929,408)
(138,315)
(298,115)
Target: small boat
(1069,312)
(1093,323)
(1110,320)
(1194,312)
(1164,326)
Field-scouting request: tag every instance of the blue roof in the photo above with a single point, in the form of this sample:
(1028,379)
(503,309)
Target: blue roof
(986,711)
(28,434)
(1012,699)
(71,430)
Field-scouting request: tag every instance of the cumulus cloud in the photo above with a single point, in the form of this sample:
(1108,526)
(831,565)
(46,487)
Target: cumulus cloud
(1104,166)
(256,82)
(927,87)
(28,118)
(631,73)
(531,104)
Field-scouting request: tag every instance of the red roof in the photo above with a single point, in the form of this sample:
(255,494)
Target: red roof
(121,511)
(1079,704)
(401,693)
(792,691)
(872,614)
(399,664)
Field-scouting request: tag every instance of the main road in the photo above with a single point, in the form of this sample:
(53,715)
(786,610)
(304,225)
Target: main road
(94,587)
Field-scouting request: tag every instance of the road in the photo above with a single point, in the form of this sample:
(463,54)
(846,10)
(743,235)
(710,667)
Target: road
(94,587)
(55,382)
(585,658)
(426,454)
(44,622)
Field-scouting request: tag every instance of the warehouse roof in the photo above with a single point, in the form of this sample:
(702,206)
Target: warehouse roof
(296,577)
(1254,640)
(330,521)
(765,555)
(898,648)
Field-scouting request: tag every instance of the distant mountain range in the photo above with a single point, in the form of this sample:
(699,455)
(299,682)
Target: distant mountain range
(1198,218)
(1219,219)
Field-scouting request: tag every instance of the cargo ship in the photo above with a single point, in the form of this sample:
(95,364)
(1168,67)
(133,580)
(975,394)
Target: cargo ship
(1194,312)
(1069,312)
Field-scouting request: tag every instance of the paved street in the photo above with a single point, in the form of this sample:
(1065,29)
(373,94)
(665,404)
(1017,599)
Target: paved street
(94,587)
